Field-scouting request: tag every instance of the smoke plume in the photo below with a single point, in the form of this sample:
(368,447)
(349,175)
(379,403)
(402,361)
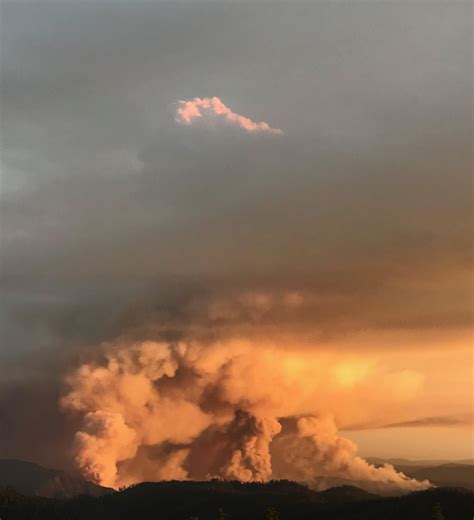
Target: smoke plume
(230,407)
(315,453)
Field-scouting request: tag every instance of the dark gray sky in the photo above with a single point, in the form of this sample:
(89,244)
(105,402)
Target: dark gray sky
(109,205)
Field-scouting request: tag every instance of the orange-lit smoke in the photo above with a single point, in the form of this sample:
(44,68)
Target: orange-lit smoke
(243,409)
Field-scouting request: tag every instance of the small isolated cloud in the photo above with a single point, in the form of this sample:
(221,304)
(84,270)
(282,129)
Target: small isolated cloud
(213,110)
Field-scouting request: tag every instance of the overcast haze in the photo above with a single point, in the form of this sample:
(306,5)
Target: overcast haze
(353,226)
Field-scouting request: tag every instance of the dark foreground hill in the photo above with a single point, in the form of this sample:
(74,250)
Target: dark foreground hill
(236,501)
(34,480)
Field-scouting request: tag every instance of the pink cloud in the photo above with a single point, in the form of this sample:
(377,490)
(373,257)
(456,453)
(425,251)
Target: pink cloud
(214,110)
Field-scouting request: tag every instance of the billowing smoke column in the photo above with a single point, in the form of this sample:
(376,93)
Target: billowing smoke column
(233,409)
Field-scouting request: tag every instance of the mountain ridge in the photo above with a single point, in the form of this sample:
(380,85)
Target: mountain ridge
(32,479)
(180,500)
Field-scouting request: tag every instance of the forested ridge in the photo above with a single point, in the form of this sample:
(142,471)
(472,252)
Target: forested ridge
(220,500)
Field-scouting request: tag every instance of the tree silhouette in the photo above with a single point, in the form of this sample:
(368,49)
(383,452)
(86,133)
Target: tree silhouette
(438,513)
(272,514)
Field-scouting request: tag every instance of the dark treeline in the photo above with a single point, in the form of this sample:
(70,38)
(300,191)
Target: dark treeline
(280,500)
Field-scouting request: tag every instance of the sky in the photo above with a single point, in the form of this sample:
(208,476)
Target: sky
(286,183)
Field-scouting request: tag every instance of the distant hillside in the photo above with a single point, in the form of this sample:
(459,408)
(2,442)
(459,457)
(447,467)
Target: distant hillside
(423,462)
(204,500)
(439,473)
(34,480)
(454,475)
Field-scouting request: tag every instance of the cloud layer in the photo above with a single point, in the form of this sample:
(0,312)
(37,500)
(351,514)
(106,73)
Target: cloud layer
(213,111)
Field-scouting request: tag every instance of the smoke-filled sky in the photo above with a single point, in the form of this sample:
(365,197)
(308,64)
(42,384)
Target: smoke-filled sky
(243,222)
